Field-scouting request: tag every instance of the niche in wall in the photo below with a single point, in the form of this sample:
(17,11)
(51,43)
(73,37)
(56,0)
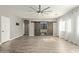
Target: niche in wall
(17,24)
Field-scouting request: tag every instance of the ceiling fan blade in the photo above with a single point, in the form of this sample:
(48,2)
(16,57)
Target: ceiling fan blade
(45,9)
(39,8)
(33,8)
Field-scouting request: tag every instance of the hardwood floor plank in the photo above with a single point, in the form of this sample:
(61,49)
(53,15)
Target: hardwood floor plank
(38,44)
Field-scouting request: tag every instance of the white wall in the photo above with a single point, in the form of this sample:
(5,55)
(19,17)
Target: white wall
(55,31)
(71,36)
(0,29)
(31,28)
(16,31)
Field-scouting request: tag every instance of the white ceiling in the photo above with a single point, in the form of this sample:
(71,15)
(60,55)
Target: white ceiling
(25,11)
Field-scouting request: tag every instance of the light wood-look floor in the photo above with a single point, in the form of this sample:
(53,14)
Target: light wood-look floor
(38,44)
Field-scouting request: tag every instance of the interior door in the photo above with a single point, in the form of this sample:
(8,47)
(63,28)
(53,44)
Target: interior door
(5,28)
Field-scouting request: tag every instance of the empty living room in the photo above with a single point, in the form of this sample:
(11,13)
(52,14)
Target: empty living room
(39,28)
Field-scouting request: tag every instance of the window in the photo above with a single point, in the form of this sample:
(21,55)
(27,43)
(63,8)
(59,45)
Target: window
(43,25)
(61,26)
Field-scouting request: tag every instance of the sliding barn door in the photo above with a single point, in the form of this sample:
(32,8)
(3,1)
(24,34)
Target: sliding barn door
(37,28)
(50,29)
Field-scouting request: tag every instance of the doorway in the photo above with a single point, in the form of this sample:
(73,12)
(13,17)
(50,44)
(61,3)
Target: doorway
(50,29)
(43,28)
(26,27)
(37,28)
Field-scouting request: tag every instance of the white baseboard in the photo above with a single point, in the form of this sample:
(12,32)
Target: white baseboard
(16,37)
(12,38)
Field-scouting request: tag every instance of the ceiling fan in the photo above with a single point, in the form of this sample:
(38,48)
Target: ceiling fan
(39,10)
